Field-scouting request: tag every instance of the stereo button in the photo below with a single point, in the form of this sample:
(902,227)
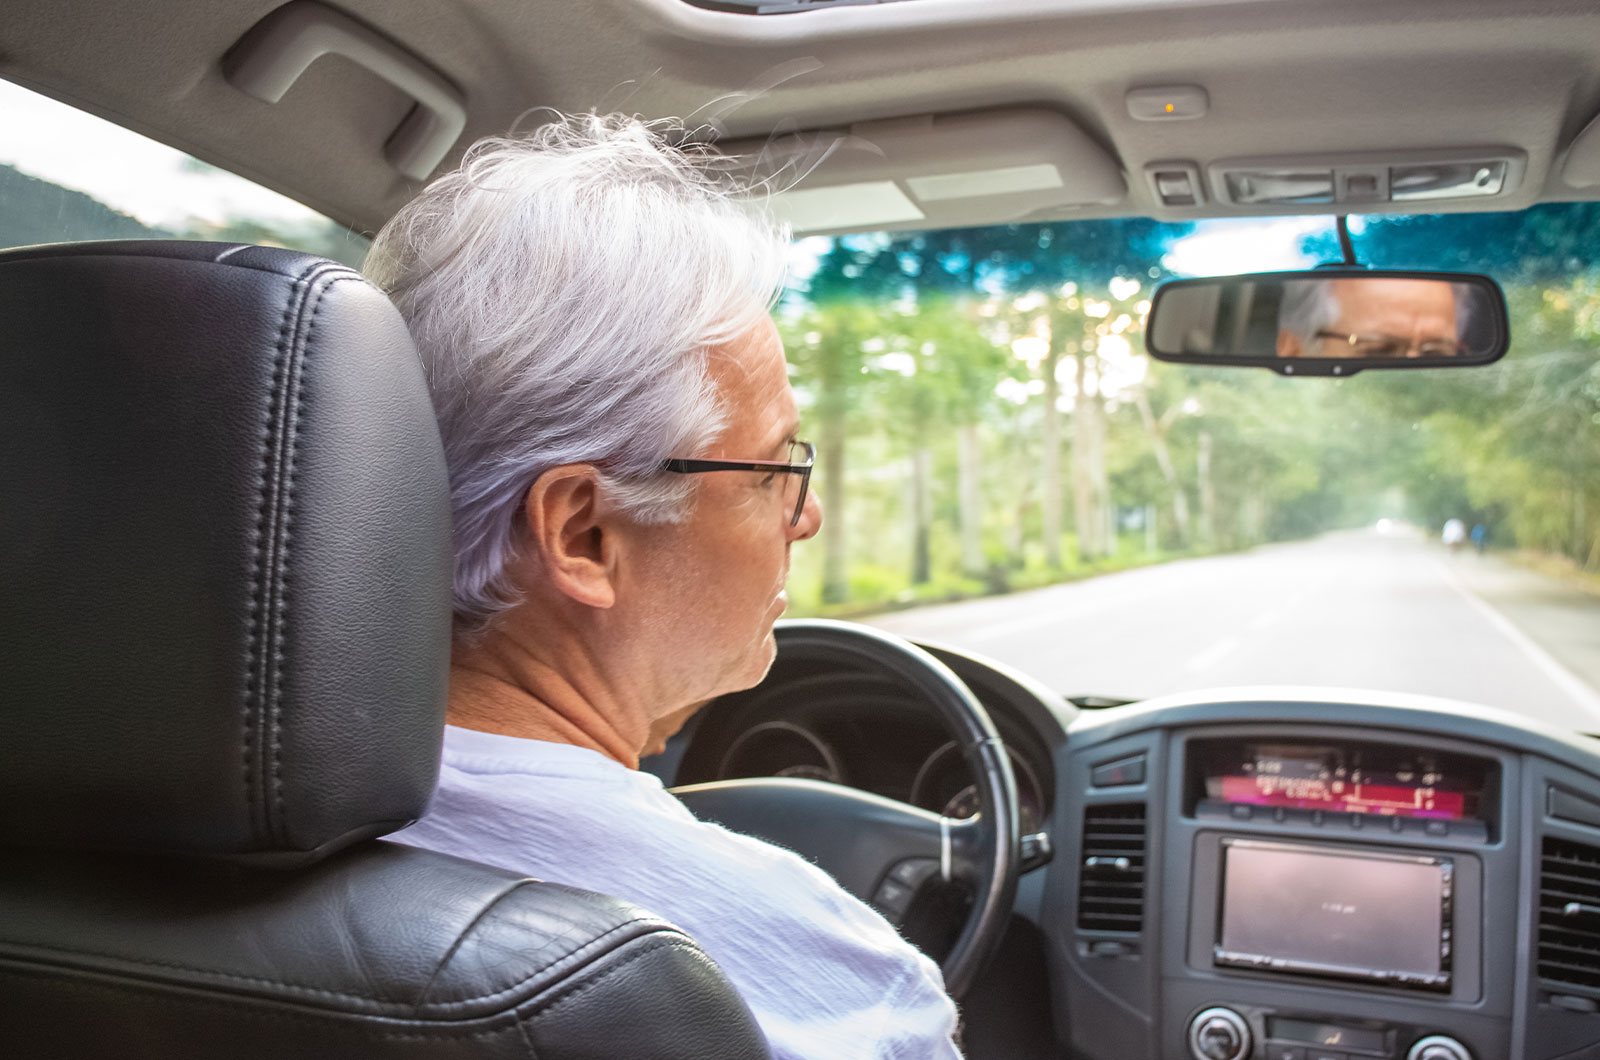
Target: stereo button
(1438,1047)
(1219,1041)
(1280,1051)
(1219,1034)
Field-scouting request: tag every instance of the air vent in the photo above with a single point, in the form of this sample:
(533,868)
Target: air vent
(1569,914)
(1111,885)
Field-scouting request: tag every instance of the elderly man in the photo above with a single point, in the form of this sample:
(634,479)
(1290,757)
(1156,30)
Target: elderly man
(591,306)
(1370,317)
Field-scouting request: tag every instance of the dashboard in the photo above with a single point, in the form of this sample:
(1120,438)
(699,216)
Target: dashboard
(1255,875)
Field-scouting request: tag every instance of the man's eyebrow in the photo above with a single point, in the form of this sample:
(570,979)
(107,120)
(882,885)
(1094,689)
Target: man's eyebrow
(791,432)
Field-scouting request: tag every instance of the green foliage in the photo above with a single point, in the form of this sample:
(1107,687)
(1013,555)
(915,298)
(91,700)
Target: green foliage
(902,340)
(37,211)
(1546,245)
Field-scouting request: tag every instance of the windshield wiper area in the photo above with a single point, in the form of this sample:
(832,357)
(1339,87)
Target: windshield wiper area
(1098,702)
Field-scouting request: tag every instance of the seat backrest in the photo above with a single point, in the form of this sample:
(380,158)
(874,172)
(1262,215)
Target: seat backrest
(224,636)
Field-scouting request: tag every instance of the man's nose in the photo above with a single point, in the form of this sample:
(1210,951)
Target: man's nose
(810,518)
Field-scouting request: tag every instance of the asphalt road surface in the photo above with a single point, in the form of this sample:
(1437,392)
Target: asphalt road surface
(1356,609)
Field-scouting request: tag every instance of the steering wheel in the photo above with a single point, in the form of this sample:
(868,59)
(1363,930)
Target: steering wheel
(878,849)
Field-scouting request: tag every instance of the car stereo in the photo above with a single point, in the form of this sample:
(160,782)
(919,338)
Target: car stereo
(1343,787)
(1335,911)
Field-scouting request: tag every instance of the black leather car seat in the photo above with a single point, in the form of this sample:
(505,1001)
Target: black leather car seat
(224,631)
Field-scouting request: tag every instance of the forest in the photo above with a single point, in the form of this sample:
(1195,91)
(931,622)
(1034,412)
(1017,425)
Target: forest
(986,418)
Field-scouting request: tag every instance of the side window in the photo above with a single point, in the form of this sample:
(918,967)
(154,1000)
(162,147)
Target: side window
(66,175)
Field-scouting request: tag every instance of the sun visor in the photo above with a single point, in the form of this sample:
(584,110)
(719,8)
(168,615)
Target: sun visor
(935,171)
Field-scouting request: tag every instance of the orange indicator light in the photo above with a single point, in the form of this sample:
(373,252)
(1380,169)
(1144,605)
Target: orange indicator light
(1169,108)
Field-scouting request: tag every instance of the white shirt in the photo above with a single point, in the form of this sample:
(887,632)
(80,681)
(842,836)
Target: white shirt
(825,975)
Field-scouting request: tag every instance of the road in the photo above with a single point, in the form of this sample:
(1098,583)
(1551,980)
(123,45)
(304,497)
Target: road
(1354,609)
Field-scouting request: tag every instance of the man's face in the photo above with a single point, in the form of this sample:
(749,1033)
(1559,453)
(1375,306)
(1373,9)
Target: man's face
(715,581)
(1391,318)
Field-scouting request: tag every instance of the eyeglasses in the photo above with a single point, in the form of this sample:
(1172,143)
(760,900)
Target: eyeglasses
(799,468)
(1380,345)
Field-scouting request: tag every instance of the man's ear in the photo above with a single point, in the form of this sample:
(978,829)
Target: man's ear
(576,550)
(1289,344)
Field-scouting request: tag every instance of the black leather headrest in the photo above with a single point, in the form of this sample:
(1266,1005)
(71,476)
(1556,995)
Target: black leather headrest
(224,554)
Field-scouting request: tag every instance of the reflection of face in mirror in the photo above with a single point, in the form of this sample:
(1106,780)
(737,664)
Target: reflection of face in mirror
(1374,317)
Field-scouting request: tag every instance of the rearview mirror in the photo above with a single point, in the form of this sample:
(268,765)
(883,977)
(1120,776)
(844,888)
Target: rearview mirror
(1330,321)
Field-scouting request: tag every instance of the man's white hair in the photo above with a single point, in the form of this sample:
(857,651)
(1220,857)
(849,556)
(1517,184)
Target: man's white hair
(564,289)
(1307,307)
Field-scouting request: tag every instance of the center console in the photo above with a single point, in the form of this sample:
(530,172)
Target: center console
(1328,869)
(1301,889)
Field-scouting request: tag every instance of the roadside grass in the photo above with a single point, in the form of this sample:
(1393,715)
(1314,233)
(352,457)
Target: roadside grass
(876,588)
(1554,565)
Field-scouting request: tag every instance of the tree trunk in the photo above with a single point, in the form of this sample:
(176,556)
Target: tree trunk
(921,515)
(1208,497)
(835,552)
(1106,520)
(1579,522)
(969,487)
(1051,496)
(1158,442)
(1018,538)
(1089,483)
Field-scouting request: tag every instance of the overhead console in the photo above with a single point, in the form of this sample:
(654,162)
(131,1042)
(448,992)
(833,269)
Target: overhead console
(1358,181)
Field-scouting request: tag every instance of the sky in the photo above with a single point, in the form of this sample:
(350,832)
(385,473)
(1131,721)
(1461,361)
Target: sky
(1225,247)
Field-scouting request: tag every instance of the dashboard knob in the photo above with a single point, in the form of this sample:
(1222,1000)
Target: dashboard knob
(1438,1047)
(1220,1034)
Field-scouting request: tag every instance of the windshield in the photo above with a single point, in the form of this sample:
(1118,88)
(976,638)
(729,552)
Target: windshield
(1003,469)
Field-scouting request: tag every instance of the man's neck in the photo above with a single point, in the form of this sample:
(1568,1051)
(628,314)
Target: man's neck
(501,686)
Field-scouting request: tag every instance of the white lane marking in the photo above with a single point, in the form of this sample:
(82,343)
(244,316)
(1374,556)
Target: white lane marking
(1559,675)
(1264,619)
(1211,655)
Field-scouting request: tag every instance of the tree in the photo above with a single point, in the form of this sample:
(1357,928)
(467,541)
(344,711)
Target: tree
(826,334)
(1517,443)
(952,370)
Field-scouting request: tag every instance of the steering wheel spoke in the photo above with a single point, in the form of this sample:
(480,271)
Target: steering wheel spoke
(879,849)
(858,838)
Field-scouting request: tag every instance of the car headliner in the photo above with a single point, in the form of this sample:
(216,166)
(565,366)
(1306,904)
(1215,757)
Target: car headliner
(1283,76)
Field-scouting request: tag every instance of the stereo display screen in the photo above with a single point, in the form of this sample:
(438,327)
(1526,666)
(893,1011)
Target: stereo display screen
(1375,779)
(1325,911)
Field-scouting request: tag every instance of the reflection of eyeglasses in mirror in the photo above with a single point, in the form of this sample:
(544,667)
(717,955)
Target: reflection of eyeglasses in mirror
(797,471)
(1380,345)
(1330,321)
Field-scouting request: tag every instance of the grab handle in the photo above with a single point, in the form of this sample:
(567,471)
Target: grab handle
(274,54)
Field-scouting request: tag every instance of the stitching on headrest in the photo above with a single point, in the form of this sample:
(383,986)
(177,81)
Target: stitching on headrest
(255,807)
(265,623)
(319,287)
